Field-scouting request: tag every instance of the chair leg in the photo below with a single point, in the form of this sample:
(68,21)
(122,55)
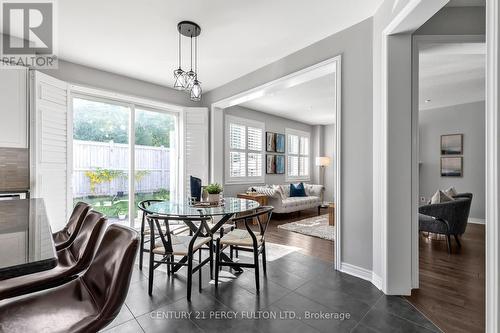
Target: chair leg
(141,249)
(264,258)
(231,252)
(211,258)
(199,270)
(448,241)
(319,210)
(217,258)
(256,263)
(172,260)
(151,273)
(189,277)
(457,240)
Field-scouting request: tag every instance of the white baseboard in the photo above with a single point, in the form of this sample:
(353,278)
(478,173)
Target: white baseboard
(476,221)
(377,281)
(361,273)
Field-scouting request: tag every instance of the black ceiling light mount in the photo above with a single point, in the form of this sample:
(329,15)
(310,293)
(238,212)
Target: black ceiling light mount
(189,29)
(188,81)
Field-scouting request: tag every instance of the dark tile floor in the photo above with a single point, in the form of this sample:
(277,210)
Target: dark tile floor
(297,295)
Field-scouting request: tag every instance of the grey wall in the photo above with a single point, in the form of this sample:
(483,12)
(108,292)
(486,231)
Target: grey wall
(95,78)
(317,149)
(355,45)
(468,119)
(456,21)
(273,124)
(328,150)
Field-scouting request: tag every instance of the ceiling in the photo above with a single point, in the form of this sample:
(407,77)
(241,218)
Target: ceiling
(139,38)
(312,102)
(451,74)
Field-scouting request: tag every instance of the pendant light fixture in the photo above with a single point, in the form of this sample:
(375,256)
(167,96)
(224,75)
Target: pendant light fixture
(188,81)
(180,82)
(196,86)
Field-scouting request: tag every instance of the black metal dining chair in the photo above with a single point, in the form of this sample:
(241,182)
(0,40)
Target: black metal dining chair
(170,245)
(143,206)
(245,240)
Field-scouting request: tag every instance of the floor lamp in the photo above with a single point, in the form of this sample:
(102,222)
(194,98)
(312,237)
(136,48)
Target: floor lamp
(322,162)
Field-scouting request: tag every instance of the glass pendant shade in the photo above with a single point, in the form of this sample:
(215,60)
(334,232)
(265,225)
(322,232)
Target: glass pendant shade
(196,91)
(190,78)
(180,79)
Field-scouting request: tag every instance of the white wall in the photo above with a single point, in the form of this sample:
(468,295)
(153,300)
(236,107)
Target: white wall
(355,45)
(468,119)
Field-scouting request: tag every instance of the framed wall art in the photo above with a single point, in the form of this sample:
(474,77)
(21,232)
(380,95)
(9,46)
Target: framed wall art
(452,144)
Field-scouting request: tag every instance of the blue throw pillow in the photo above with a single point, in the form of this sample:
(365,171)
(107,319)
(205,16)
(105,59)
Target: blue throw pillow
(297,190)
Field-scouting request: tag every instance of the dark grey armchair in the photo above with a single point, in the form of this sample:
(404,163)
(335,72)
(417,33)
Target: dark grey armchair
(447,218)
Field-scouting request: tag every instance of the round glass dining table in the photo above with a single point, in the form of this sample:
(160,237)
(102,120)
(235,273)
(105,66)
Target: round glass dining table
(230,207)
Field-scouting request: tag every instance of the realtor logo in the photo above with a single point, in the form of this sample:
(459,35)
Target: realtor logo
(28,33)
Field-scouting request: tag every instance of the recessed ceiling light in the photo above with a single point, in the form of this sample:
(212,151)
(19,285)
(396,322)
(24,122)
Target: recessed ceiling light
(427,100)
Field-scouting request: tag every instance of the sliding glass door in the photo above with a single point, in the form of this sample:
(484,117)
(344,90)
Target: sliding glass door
(101,156)
(155,157)
(122,154)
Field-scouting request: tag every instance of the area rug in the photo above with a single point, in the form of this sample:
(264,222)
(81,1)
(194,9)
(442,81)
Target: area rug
(313,226)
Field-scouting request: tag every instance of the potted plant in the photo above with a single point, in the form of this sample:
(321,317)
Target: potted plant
(122,215)
(214,190)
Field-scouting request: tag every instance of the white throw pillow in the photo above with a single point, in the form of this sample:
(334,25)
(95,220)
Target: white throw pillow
(308,188)
(286,190)
(451,192)
(279,190)
(440,197)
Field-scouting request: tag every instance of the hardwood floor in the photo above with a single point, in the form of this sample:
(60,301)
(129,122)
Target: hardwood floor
(313,246)
(452,287)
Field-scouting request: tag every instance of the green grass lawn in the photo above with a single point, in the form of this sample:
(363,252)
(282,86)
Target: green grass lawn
(115,206)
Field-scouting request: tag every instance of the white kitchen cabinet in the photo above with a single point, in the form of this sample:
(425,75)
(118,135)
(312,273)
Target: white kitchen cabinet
(13,107)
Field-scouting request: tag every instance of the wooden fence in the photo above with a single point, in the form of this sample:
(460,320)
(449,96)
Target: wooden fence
(152,167)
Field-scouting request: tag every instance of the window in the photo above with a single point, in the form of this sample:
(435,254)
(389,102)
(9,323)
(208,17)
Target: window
(244,150)
(103,146)
(298,161)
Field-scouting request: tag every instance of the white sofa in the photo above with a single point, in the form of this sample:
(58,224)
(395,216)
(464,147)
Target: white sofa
(279,197)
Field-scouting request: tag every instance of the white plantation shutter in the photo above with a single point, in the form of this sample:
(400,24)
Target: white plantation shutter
(304,146)
(254,138)
(298,161)
(293,166)
(293,144)
(51,128)
(244,150)
(254,165)
(237,164)
(237,134)
(195,146)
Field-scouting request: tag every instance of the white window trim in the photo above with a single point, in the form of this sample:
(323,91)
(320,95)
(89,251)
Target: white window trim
(247,123)
(291,179)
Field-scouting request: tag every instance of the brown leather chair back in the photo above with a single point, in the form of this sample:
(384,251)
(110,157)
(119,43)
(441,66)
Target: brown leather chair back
(84,246)
(66,236)
(75,220)
(108,277)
